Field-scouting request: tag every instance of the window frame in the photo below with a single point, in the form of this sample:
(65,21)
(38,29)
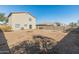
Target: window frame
(17,25)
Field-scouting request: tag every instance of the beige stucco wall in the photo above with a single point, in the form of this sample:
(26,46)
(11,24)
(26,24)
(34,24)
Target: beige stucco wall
(22,19)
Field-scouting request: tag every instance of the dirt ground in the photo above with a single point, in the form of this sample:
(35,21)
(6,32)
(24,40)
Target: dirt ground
(15,37)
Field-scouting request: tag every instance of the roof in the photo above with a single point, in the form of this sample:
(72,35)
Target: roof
(44,24)
(20,13)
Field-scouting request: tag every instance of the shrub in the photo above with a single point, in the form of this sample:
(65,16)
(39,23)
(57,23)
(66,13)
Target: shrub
(5,28)
(41,46)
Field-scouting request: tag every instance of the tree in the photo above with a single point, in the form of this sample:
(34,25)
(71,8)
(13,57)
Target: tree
(78,22)
(72,24)
(3,18)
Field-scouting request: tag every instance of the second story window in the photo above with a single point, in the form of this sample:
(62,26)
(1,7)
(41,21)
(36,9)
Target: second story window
(17,25)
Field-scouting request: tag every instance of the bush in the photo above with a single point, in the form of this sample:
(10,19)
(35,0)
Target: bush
(5,28)
(37,46)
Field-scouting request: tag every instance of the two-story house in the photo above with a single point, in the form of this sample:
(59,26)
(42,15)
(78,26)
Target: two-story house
(21,20)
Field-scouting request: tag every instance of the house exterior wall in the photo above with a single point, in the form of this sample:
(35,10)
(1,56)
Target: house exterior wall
(22,21)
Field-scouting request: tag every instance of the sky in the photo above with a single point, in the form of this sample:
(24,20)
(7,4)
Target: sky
(46,13)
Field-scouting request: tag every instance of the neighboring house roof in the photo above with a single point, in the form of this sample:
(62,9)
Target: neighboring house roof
(44,25)
(20,13)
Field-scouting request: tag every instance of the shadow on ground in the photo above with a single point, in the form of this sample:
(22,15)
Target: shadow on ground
(69,44)
(4,49)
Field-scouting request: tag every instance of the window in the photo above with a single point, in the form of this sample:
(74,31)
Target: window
(30,26)
(30,19)
(25,25)
(17,25)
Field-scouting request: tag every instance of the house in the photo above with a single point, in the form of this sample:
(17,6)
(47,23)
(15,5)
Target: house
(21,20)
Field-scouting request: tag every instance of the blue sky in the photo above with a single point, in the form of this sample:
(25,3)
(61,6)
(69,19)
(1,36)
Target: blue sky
(46,13)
